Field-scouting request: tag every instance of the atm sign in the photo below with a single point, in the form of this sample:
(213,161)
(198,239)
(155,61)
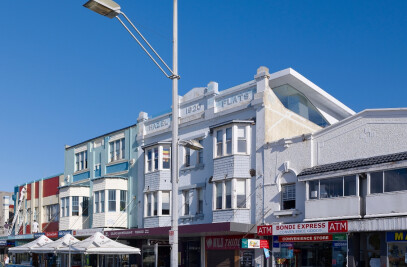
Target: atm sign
(396,236)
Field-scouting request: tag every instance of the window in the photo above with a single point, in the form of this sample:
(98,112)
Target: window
(67,206)
(97,202)
(35,214)
(199,157)
(228,184)
(388,181)
(332,187)
(186,202)
(376,182)
(350,185)
(295,101)
(200,197)
(52,213)
(116,150)
(187,159)
(230,194)
(102,201)
(149,196)
(232,140)
(112,200)
(155,155)
(75,206)
(165,203)
(81,160)
(123,200)
(85,206)
(219,194)
(229,141)
(241,193)
(241,139)
(219,143)
(166,157)
(62,207)
(288,196)
(155,204)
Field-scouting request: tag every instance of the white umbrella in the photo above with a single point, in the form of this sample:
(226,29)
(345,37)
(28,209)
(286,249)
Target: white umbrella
(99,244)
(27,248)
(64,241)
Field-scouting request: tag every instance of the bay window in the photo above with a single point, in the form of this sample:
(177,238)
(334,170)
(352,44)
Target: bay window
(123,199)
(157,158)
(96,202)
(102,201)
(154,206)
(231,140)
(229,194)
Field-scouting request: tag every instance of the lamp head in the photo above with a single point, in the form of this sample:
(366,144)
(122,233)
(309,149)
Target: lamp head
(106,8)
(192,144)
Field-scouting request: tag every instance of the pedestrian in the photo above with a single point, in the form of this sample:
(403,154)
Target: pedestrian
(6,260)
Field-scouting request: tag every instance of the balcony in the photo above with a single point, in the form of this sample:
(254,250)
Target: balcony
(333,208)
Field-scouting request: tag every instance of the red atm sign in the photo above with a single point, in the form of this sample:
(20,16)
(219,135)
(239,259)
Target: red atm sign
(304,228)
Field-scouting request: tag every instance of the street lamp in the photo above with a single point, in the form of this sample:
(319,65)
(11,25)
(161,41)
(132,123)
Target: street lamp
(111,9)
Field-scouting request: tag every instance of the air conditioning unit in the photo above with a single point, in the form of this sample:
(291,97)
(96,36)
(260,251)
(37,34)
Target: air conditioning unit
(314,194)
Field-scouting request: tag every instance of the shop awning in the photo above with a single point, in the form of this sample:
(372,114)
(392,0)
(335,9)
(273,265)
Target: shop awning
(99,244)
(65,241)
(27,248)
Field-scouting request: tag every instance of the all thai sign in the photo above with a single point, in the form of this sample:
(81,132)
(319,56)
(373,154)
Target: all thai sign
(222,242)
(303,228)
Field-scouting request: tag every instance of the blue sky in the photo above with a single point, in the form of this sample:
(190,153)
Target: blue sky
(68,74)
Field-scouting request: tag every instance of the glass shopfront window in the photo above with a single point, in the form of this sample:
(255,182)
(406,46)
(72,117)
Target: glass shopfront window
(397,248)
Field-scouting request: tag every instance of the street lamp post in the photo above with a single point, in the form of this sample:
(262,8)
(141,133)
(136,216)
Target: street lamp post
(111,9)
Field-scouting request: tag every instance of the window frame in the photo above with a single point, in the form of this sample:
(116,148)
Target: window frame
(221,200)
(111,207)
(123,200)
(154,204)
(286,198)
(343,188)
(155,160)
(117,149)
(75,206)
(85,207)
(81,161)
(226,140)
(97,202)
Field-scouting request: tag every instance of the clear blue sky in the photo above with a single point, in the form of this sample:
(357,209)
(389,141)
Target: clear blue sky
(68,74)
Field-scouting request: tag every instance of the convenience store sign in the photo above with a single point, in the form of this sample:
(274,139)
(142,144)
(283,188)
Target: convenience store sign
(304,228)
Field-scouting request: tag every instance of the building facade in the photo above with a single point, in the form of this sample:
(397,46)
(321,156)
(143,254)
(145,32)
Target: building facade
(351,175)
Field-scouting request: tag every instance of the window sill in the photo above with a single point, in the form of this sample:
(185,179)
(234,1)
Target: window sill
(282,213)
(192,167)
(81,171)
(116,162)
(156,216)
(230,155)
(157,171)
(230,209)
(191,217)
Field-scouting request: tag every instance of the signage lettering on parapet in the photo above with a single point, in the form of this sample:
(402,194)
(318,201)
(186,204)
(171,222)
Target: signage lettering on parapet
(157,126)
(192,109)
(396,236)
(311,228)
(236,99)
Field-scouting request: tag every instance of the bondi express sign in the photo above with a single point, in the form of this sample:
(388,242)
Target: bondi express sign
(304,228)
(311,228)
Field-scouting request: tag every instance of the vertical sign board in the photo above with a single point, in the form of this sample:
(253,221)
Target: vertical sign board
(171,236)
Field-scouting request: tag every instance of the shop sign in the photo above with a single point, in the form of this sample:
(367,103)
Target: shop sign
(87,232)
(64,232)
(305,238)
(340,244)
(396,236)
(3,243)
(20,243)
(51,234)
(264,230)
(36,235)
(255,243)
(222,242)
(339,237)
(27,236)
(311,228)
(171,236)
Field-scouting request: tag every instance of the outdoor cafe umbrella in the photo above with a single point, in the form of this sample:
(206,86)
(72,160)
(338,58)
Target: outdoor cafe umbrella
(99,244)
(27,248)
(64,241)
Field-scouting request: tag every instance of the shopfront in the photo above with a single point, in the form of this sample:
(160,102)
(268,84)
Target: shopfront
(308,244)
(397,248)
